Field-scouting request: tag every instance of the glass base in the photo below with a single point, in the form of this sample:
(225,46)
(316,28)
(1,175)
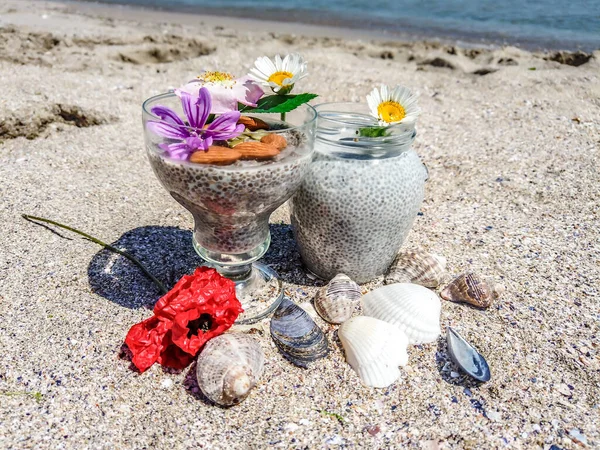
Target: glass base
(256,285)
(260,293)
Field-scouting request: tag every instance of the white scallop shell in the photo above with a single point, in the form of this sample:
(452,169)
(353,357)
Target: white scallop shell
(374,349)
(417,266)
(336,301)
(413,308)
(228,368)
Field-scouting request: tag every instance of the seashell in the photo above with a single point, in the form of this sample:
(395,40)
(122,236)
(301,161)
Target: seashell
(335,302)
(374,349)
(411,307)
(228,368)
(466,357)
(417,266)
(471,288)
(296,335)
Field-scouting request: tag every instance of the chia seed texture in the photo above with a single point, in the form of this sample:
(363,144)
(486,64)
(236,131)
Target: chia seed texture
(352,215)
(231,204)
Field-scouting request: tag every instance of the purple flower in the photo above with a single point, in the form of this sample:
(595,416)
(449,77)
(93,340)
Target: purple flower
(193,136)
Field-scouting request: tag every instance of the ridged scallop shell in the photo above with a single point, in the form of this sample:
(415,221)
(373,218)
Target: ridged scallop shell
(419,267)
(413,308)
(466,357)
(336,301)
(228,368)
(374,349)
(296,335)
(471,288)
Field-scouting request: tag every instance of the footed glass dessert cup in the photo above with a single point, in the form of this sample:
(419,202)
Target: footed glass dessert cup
(231,204)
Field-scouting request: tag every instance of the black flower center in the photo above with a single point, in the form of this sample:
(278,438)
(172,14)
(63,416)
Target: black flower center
(202,323)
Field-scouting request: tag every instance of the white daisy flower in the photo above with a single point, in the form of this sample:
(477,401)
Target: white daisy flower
(280,75)
(398,105)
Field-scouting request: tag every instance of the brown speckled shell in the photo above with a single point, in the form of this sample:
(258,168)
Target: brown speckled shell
(469,288)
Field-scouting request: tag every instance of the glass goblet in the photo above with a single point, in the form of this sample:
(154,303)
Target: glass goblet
(231,204)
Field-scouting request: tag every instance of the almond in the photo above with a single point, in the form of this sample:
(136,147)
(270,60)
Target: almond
(220,156)
(276,140)
(253,124)
(256,150)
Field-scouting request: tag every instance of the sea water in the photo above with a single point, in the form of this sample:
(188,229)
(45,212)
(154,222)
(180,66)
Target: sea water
(534,24)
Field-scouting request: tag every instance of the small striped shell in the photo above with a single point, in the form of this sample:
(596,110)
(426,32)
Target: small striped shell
(411,307)
(417,266)
(374,349)
(228,368)
(471,288)
(336,301)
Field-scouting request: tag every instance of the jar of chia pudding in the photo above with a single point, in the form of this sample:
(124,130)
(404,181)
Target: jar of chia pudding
(360,197)
(231,203)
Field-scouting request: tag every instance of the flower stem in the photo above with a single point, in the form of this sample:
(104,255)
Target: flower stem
(283,117)
(38,396)
(127,255)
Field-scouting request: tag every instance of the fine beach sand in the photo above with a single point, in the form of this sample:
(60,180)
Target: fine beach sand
(514,194)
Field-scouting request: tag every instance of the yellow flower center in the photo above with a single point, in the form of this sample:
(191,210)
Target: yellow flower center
(278,77)
(391,112)
(215,77)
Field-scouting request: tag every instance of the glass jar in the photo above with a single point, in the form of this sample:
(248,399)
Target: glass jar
(360,197)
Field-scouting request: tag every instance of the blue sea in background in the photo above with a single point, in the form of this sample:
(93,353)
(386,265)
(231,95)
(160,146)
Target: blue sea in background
(553,24)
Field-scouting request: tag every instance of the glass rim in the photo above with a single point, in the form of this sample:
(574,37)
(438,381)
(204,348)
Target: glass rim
(397,126)
(329,126)
(171,94)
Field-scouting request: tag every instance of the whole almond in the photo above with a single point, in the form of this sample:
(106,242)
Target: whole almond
(253,124)
(220,156)
(256,150)
(276,140)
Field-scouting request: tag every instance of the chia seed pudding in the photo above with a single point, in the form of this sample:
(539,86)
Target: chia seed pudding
(354,209)
(231,204)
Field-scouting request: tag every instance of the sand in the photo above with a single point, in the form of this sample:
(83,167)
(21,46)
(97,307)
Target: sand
(514,189)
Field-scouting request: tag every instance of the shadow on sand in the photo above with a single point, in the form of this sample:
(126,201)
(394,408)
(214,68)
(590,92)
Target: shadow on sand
(168,254)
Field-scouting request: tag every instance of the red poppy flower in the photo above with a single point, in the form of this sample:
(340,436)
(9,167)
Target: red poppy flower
(146,341)
(198,308)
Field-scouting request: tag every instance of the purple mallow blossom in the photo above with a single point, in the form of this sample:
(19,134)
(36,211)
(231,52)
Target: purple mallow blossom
(193,136)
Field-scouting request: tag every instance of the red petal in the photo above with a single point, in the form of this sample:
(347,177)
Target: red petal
(172,356)
(145,340)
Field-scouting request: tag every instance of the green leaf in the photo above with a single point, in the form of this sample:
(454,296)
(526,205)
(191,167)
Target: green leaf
(279,103)
(372,132)
(267,103)
(531,68)
(339,418)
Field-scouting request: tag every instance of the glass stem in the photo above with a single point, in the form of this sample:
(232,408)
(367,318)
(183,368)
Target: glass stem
(236,273)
